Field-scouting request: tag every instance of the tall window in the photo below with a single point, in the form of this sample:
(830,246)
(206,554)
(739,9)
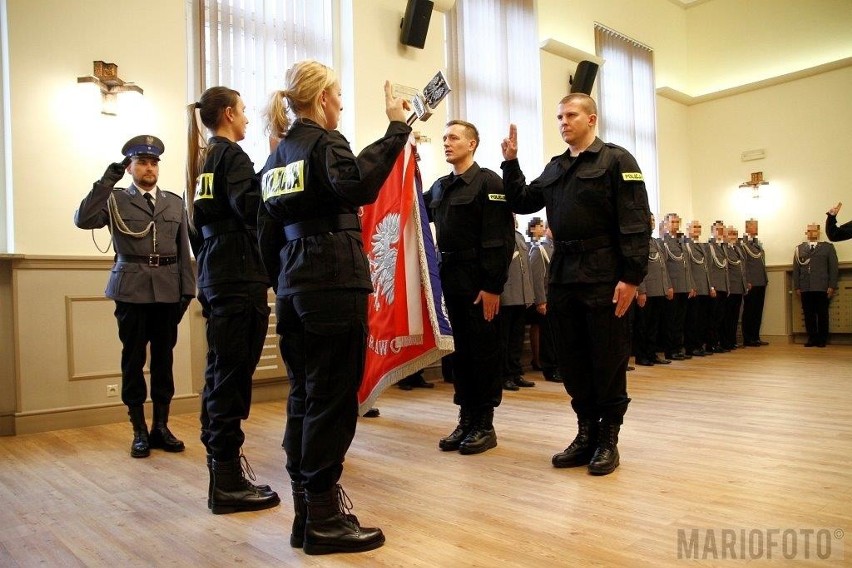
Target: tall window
(494,71)
(627,102)
(248,45)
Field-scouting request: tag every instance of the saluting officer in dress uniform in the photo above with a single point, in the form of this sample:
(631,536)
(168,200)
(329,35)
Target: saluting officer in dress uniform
(474,232)
(756,280)
(815,274)
(152,281)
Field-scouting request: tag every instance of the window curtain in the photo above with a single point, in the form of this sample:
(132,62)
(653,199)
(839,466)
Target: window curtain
(248,45)
(494,71)
(627,102)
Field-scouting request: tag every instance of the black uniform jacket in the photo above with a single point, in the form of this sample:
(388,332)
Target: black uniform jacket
(227,198)
(598,194)
(474,229)
(837,232)
(313,179)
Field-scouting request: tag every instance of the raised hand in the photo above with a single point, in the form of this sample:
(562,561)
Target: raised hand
(510,144)
(835,210)
(114,173)
(396,108)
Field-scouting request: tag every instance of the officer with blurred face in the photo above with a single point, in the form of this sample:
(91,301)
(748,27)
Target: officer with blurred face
(152,281)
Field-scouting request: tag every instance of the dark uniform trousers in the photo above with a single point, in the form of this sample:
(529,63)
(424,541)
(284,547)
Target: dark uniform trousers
(646,326)
(717,318)
(730,319)
(326,332)
(815,308)
(547,344)
(511,326)
(139,325)
(593,349)
(698,315)
(476,361)
(237,317)
(753,313)
(675,316)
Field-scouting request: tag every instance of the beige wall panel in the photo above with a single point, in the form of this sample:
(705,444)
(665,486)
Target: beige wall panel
(92,343)
(44,383)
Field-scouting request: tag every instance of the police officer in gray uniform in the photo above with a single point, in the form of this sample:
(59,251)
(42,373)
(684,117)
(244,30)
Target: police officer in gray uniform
(652,295)
(517,296)
(756,281)
(736,289)
(540,255)
(717,270)
(698,307)
(152,281)
(674,313)
(815,275)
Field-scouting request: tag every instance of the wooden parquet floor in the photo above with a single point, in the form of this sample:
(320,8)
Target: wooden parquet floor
(754,440)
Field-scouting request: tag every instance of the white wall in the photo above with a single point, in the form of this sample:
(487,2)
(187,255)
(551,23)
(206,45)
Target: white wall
(734,42)
(60,141)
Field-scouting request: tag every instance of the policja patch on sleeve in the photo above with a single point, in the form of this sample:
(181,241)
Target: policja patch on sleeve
(632,176)
(496,197)
(283,180)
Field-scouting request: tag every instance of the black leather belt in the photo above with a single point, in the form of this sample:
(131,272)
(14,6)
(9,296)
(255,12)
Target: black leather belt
(577,247)
(222,227)
(459,255)
(332,224)
(149,259)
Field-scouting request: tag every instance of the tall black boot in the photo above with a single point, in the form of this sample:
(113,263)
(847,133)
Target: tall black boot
(581,450)
(482,436)
(232,492)
(451,443)
(161,437)
(605,459)
(330,528)
(139,448)
(300,515)
(261,488)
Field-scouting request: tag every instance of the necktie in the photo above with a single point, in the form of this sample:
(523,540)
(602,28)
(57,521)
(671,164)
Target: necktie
(813,246)
(150,199)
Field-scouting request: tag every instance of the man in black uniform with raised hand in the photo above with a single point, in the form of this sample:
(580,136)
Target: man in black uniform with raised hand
(598,212)
(152,281)
(475,234)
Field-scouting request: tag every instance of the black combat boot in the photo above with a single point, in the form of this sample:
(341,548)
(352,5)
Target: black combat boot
(261,488)
(451,443)
(581,450)
(232,492)
(161,437)
(140,447)
(300,515)
(482,437)
(329,527)
(605,459)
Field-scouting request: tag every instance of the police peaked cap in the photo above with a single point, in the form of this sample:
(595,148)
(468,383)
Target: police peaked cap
(146,145)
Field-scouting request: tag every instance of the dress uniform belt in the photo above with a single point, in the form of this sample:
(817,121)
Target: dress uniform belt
(332,224)
(576,247)
(149,259)
(221,227)
(459,255)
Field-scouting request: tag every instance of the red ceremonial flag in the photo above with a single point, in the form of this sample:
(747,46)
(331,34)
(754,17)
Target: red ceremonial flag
(408,327)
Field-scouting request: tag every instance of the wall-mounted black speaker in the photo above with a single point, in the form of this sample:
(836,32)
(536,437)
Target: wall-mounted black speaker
(584,77)
(415,24)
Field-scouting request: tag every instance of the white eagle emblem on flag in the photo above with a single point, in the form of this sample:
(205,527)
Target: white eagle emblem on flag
(382,258)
